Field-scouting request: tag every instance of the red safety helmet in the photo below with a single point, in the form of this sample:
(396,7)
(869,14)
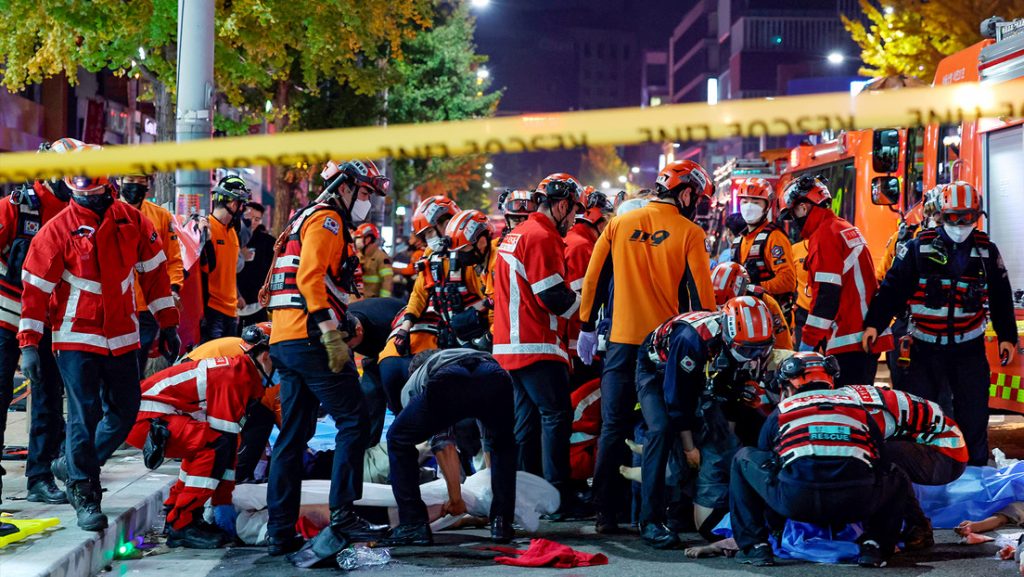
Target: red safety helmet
(367,229)
(559,186)
(806,188)
(358,173)
(808,369)
(759,188)
(63,145)
(255,335)
(517,202)
(466,228)
(960,203)
(680,173)
(596,206)
(748,329)
(83,184)
(431,211)
(730,280)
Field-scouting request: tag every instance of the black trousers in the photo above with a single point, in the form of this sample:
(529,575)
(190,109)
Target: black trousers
(618,418)
(856,368)
(543,412)
(759,497)
(923,466)
(376,405)
(259,423)
(957,378)
(440,406)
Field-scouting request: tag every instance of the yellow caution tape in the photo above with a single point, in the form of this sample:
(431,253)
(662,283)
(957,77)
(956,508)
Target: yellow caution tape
(547,131)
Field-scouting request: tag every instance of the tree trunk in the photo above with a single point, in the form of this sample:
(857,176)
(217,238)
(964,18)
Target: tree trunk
(284,194)
(163,182)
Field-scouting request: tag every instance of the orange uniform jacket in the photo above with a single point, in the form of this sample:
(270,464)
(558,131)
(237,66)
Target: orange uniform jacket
(222,282)
(660,268)
(323,249)
(778,257)
(163,223)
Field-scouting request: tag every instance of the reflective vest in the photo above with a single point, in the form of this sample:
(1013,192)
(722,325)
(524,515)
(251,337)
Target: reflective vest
(826,424)
(283,287)
(756,263)
(902,416)
(448,294)
(12,257)
(944,309)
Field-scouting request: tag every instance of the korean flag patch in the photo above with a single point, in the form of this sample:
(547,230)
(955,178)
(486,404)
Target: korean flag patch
(688,364)
(332,225)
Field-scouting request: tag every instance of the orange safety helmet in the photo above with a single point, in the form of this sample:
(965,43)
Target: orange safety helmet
(960,203)
(63,145)
(255,335)
(466,228)
(759,188)
(78,183)
(367,229)
(431,211)
(807,369)
(730,280)
(517,202)
(558,176)
(596,206)
(680,173)
(358,173)
(806,188)
(748,329)
(559,186)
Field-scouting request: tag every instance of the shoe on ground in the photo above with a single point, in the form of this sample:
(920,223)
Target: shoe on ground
(759,555)
(84,496)
(417,535)
(870,555)
(59,468)
(194,536)
(605,525)
(572,509)
(919,537)
(659,536)
(277,547)
(354,528)
(502,531)
(46,491)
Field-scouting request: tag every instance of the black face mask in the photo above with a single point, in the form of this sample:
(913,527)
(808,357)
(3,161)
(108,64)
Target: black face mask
(61,190)
(133,192)
(247,222)
(470,258)
(98,203)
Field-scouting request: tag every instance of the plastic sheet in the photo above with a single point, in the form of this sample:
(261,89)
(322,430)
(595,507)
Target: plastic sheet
(979,493)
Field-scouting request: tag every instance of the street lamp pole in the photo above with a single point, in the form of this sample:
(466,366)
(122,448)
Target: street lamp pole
(195,97)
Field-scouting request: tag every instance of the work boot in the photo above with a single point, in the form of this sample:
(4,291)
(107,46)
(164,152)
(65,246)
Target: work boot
(46,491)
(659,536)
(194,536)
(284,546)
(605,525)
(416,534)
(572,508)
(502,531)
(918,536)
(354,528)
(320,551)
(85,498)
(870,555)
(759,555)
(59,468)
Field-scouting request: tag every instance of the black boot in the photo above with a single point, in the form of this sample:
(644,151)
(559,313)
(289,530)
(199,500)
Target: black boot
(278,546)
(354,528)
(46,491)
(320,551)
(417,534)
(659,536)
(501,530)
(195,536)
(85,498)
(59,468)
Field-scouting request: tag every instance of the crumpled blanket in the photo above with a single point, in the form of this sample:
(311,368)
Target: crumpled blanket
(545,553)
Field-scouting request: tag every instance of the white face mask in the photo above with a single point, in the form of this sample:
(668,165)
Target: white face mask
(360,210)
(751,212)
(436,243)
(958,233)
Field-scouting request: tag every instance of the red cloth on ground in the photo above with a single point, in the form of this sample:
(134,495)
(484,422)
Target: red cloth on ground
(545,553)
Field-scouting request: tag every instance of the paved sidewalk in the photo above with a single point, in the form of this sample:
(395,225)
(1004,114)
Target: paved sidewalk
(132,500)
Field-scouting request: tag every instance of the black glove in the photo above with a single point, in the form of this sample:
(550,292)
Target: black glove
(30,365)
(168,343)
(402,342)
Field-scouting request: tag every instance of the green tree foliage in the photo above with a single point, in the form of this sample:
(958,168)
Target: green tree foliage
(602,163)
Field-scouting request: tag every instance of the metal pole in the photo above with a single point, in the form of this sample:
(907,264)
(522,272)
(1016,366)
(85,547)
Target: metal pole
(194,119)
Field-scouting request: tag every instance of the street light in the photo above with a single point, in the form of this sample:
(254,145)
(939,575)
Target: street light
(400,211)
(142,53)
(835,58)
(488,174)
(889,10)
(480,4)
(605,184)
(489,166)
(635,170)
(482,73)
(486,184)
(622,180)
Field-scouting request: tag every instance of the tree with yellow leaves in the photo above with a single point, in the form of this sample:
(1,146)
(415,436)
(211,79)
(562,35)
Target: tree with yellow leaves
(911,37)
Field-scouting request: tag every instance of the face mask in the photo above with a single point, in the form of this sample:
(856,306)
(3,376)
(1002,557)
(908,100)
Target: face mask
(133,192)
(247,222)
(97,203)
(958,233)
(436,244)
(752,212)
(470,258)
(687,211)
(360,210)
(61,190)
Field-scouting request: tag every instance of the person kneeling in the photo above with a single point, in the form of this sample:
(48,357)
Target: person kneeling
(222,388)
(444,388)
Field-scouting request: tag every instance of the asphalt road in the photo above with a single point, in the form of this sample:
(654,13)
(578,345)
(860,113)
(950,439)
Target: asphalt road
(457,554)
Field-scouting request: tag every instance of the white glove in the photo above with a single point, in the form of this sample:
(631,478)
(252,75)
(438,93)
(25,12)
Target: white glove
(586,346)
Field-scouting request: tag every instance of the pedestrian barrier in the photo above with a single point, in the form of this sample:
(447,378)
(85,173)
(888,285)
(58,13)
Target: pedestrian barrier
(544,131)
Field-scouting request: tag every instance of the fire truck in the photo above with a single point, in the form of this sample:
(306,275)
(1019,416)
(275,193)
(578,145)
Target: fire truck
(728,178)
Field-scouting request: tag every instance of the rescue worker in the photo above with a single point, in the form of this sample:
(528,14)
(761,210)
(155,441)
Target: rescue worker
(133,190)
(22,214)
(531,300)
(731,280)
(404,266)
(821,460)
(258,257)
(948,276)
(841,280)
(220,389)
(762,247)
(370,322)
(515,206)
(579,245)
(468,239)
(656,257)
(688,368)
(446,387)
(376,264)
(307,294)
(803,295)
(221,260)
(80,274)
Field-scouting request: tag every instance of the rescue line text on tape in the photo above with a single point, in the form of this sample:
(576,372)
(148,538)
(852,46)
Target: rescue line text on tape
(554,131)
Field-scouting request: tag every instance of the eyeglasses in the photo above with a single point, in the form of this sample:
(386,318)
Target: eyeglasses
(966,217)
